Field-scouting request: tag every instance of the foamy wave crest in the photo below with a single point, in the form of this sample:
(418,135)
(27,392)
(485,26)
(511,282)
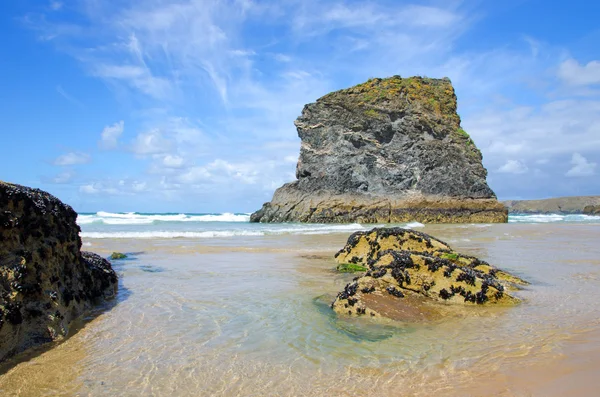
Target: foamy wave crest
(536,218)
(549,218)
(169,235)
(412,225)
(276,230)
(132,218)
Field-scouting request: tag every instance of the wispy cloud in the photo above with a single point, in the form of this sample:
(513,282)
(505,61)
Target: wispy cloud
(56,5)
(69,97)
(72,158)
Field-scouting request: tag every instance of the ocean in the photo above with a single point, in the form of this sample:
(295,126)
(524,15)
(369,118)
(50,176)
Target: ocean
(212,305)
(102,225)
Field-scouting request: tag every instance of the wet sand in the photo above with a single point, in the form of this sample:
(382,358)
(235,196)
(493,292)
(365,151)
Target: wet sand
(246,316)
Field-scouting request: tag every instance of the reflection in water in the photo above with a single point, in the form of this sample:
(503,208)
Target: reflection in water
(250,316)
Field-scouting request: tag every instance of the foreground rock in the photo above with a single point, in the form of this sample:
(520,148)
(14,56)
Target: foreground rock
(557,205)
(408,268)
(592,210)
(389,150)
(45,280)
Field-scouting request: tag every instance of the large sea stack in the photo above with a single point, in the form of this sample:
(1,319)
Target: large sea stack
(45,280)
(385,151)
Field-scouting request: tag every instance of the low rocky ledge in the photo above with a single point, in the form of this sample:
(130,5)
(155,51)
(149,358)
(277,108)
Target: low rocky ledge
(407,270)
(591,210)
(46,281)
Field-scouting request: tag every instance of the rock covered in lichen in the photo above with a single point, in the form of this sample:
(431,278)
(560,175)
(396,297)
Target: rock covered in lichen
(388,150)
(403,263)
(45,280)
(117,255)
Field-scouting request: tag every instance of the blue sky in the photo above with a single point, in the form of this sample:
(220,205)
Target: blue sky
(189,105)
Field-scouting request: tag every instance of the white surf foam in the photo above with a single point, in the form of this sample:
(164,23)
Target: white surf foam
(132,218)
(550,218)
(277,230)
(536,218)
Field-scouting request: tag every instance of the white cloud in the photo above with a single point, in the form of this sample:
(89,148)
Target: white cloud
(291,159)
(151,142)
(89,189)
(513,167)
(581,166)
(571,72)
(109,138)
(505,148)
(122,187)
(172,161)
(72,158)
(139,186)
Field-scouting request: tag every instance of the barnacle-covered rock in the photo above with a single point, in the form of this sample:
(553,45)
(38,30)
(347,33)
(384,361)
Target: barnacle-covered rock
(407,267)
(45,280)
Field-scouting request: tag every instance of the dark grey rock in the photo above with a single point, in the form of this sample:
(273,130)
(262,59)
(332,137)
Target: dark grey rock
(384,151)
(45,280)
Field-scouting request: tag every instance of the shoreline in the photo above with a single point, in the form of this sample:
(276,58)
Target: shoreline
(229,315)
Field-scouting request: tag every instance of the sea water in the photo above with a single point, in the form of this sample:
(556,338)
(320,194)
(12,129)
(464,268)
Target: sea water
(210,304)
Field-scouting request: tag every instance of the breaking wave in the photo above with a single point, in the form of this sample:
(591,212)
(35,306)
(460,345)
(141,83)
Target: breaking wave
(134,218)
(552,218)
(258,231)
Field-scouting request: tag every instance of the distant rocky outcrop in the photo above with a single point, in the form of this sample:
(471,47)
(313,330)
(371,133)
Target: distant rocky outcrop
(45,280)
(591,210)
(388,150)
(407,269)
(558,205)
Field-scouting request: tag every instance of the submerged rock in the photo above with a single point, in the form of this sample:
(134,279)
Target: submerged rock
(407,268)
(45,280)
(388,150)
(117,255)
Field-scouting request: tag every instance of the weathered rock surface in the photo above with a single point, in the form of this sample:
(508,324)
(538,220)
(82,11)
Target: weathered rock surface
(592,209)
(45,280)
(389,150)
(557,205)
(407,268)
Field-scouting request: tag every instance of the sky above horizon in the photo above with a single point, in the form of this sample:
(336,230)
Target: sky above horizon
(188,106)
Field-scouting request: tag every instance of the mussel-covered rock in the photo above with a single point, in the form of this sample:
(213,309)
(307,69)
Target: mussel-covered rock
(407,267)
(46,281)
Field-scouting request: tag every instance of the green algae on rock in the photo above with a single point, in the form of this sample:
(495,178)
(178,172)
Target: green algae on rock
(386,151)
(117,255)
(350,268)
(46,281)
(403,263)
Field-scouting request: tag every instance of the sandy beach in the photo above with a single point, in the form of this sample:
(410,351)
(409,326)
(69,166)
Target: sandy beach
(249,315)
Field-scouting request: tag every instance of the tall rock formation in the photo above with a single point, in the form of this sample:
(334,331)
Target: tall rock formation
(388,150)
(45,280)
